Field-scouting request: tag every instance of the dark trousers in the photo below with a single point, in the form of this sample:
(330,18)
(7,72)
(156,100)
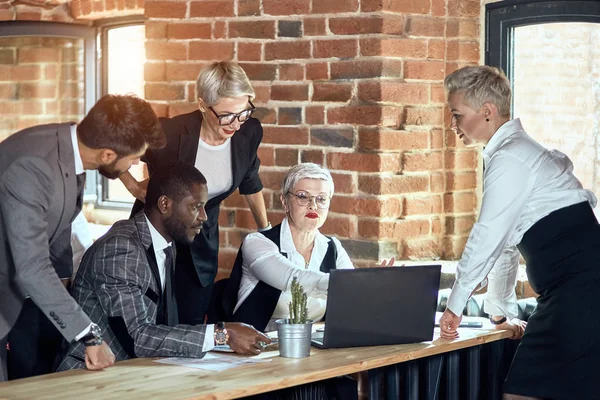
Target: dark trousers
(192,298)
(34,344)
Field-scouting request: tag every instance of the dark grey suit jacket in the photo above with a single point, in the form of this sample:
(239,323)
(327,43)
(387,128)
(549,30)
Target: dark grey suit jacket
(38,192)
(118,286)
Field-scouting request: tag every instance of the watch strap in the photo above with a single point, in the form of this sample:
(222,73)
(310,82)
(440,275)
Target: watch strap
(498,322)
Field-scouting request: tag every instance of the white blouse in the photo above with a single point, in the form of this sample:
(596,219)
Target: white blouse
(523,182)
(263,261)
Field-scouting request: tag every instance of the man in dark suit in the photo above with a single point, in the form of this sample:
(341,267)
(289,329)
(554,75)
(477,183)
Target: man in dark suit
(41,186)
(125,280)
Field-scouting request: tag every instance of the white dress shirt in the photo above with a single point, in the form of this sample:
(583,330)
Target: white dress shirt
(160,244)
(215,164)
(263,261)
(523,182)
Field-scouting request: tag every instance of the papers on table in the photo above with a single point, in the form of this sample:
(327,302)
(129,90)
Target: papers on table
(212,362)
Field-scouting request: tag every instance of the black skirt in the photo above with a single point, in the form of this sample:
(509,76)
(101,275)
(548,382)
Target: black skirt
(559,354)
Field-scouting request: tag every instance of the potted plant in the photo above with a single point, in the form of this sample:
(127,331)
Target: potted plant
(294,333)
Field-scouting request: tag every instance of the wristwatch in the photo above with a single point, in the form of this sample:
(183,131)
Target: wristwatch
(498,322)
(221,335)
(93,337)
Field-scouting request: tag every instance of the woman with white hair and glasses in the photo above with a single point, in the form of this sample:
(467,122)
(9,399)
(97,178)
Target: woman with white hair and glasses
(221,139)
(532,202)
(269,260)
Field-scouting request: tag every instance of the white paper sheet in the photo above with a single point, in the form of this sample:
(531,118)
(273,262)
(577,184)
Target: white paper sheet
(212,362)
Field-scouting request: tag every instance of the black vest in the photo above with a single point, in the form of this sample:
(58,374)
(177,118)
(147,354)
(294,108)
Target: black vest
(259,306)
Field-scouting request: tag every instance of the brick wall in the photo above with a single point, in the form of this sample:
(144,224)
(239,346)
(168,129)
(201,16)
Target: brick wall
(355,85)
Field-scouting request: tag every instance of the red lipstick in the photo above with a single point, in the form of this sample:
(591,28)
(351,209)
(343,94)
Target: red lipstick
(312,215)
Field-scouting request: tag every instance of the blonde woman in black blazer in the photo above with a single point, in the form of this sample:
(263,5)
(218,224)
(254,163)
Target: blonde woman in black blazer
(221,139)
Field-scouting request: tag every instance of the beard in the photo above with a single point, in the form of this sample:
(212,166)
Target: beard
(110,171)
(177,230)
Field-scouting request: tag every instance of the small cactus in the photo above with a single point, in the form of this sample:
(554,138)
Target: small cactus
(297,307)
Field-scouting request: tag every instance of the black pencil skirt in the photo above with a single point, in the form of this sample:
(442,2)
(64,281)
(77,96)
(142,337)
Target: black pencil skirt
(559,355)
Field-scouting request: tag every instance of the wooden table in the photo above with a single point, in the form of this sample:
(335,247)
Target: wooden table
(145,379)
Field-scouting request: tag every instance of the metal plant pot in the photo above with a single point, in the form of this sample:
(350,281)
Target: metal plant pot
(294,339)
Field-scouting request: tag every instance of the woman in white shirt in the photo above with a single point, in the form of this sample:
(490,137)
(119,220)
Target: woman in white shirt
(269,260)
(533,202)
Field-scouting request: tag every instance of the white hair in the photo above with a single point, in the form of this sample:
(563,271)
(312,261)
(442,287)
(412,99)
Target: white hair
(306,171)
(222,79)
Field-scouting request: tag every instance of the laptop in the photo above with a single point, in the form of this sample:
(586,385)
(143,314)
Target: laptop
(377,306)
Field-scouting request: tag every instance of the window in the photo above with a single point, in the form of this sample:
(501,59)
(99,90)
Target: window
(550,51)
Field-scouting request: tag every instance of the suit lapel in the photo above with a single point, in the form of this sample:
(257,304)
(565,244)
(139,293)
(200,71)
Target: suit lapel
(66,163)
(188,143)
(146,238)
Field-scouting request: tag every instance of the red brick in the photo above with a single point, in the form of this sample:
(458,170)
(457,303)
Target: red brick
(404,6)
(453,247)
(464,8)
(390,24)
(286,157)
(361,69)
(344,48)
(211,50)
(422,161)
(456,225)
(333,7)
(161,110)
(461,160)
(37,55)
(386,139)
(436,49)
(365,115)
(262,93)
(26,73)
(286,50)
(154,72)
(438,94)
(422,205)
(396,92)
(165,9)
(155,29)
(11,107)
(315,115)
(364,162)
(396,47)
(176,71)
(291,72)
(461,181)
(50,71)
(226,260)
(7,15)
(438,8)
(252,29)
(460,27)
(390,207)
(32,107)
(340,92)
(398,184)
(289,92)
(425,70)
(266,115)
(317,71)
(28,15)
(344,182)
(372,228)
(162,51)
(69,90)
(189,30)
(219,30)
(314,27)
(97,6)
(37,91)
(462,51)
(272,179)
(423,115)
(190,89)
(285,135)
(411,228)
(460,202)
(249,51)
(437,139)
(313,156)
(417,25)
(248,7)
(181,108)
(286,7)
(342,226)
(164,91)
(266,155)
(421,249)
(209,9)
(260,71)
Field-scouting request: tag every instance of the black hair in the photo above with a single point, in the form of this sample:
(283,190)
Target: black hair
(174,180)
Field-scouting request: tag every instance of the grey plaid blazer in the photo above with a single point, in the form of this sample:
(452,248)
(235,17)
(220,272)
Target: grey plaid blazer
(118,286)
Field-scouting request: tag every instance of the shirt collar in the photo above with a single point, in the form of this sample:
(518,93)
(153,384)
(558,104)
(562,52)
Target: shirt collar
(78,161)
(158,241)
(504,132)
(286,242)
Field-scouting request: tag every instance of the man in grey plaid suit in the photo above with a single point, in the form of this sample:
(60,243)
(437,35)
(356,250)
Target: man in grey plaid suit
(124,282)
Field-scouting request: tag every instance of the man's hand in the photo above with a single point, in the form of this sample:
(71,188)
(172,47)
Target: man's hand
(244,339)
(449,325)
(386,263)
(515,325)
(99,357)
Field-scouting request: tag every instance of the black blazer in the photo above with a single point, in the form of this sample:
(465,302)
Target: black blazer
(183,135)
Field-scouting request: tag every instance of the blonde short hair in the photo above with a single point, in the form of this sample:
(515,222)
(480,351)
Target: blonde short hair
(306,171)
(479,85)
(222,79)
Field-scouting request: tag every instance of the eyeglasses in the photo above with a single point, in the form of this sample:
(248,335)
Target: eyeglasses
(227,119)
(304,199)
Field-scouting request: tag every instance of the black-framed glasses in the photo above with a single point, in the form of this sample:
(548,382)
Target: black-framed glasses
(304,199)
(228,119)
